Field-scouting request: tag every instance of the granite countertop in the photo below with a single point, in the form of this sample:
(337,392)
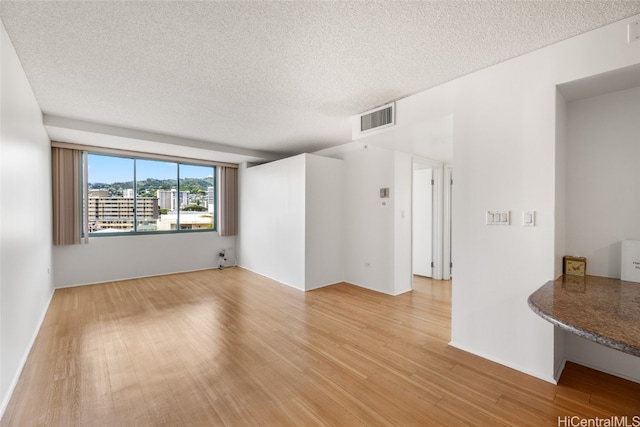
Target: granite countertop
(599,309)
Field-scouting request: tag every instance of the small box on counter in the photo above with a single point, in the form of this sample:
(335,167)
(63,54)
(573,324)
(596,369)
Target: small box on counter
(630,270)
(574,266)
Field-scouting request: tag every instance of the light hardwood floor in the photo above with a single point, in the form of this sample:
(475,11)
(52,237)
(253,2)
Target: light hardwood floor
(229,347)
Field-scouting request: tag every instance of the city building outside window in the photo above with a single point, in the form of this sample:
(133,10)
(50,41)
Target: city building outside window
(137,195)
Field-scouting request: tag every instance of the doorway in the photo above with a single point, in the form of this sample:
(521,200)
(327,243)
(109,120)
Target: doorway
(431,219)
(422,239)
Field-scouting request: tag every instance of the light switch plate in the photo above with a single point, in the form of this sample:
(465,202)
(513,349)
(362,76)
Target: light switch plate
(529,218)
(498,218)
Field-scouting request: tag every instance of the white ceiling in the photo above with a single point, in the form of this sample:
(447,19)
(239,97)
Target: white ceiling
(281,77)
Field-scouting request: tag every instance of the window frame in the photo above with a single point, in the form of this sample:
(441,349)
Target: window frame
(134,232)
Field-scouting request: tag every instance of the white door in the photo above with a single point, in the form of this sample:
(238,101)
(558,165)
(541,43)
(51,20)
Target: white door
(422,222)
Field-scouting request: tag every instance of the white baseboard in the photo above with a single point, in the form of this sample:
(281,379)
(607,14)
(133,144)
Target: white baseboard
(559,369)
(323,285)
(270,278)
(368,287)
(25,356)
(504,363)
(605,370)
(213,267)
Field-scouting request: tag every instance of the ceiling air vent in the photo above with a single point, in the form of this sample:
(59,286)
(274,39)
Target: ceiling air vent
(377,119)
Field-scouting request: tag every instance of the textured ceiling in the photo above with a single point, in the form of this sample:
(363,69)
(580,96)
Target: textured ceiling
(275,76)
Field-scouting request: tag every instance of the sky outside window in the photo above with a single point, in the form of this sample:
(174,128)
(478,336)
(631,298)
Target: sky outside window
(108,169)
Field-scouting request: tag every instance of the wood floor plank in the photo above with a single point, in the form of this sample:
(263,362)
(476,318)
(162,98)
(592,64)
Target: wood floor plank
(300,414)
(469,414)
(232,348)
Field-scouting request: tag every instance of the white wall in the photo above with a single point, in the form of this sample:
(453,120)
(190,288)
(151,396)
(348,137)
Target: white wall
(271,220)
(111,258)
(602,203)
(324,221)
(504,144)
(560,219)
(377,238)
(504,152)
(291,221)
(402,222)
(369,246)
(25,219)
(603,172)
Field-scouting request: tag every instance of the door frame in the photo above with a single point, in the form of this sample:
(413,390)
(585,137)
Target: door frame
(437,206)
(447,261)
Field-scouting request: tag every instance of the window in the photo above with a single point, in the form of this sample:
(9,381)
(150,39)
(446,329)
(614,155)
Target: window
(137,195)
